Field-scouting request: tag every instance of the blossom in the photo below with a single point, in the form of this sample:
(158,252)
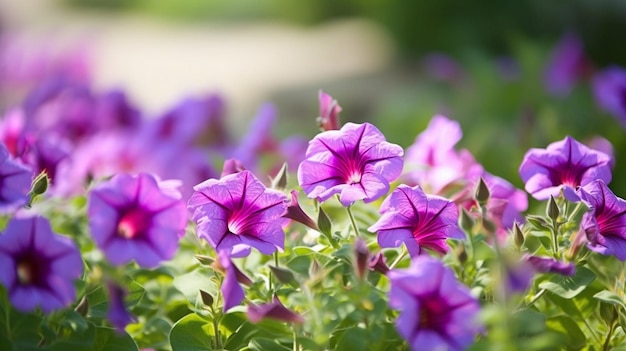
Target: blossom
(609,88)
(117,313)
(566,65)
(231,290)
(550,265)
(329,112)
(605,223)
(417,219)
(15,180)
(38,266)
(436,311)
(274,310)
(565,165)
(237,212)
(355,162)
(137,217)
(295,212)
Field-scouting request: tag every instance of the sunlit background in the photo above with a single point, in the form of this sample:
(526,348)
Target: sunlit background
(391,62)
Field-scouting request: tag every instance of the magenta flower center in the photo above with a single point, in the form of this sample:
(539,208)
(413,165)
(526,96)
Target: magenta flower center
(433,314)
(236,223)
(571,176)
(31,270)
(133,223)
(351,170)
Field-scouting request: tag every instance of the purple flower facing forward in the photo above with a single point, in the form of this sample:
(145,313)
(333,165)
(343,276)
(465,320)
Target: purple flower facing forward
(355,162)
(609,88)
(137,218)
(605,222)
(237,212)
(565,165)
(38,266)
(418,220)
(437,312)
(15,182)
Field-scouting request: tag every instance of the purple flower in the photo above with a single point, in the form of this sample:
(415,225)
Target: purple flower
(550,265)
(605,223)
(295,212)
(38,266)
(609,88)
(137,218)
(329,112)
(443,67)
(231,290)
(567,64)
(274,310)
(355,162)
(377,263)
(564,165)
(437,312)
(15,180)
(417,219)
(117,313)
(237,212)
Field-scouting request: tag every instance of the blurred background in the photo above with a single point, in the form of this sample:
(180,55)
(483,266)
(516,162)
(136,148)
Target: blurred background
(515,74)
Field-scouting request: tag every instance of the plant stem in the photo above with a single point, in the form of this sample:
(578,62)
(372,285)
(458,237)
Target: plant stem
(399,258)
(607,342)
(354,227)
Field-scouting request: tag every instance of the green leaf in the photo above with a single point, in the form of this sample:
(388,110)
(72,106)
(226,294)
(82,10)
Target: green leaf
(108,339)
(565,325)
(192,333)
(569,287)
(78,341)
(353,339)
(323,222)
(262,344)
(610,298)
(191,283)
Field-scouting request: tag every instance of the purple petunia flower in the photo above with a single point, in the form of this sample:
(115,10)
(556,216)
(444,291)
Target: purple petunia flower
(605,223)
(417,219)
(137,218)
(563,165)
(117,313)
(567,64)
(15,180)
(550,265)
(609,88)
(38,266)
(355,162)
(237,212)
(274,310)
(437,312)
(329,112)
(231,290)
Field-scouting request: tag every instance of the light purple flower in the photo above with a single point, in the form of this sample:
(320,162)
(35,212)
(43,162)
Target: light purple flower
(436,311)
(117,313)
(605,223)
(329,112)
(274,310)
(550,265)
(609,88)
(443,67)
(418,220)
(563,165)
(231,290)
(237,212)
(566,65)
(38,266)
(15,180)
(137,217)
(355,162)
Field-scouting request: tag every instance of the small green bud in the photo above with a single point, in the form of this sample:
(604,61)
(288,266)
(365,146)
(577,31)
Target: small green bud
(462,253)
(205,260)
(284,276)
(83,306)
(482,193)
(40,184)
(552,210)
(467,222)
(518,235)
(280,182)
(207,299)
(323,222)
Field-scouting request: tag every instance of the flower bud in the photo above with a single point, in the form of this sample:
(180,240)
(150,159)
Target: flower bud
(280,181)
(83,307)
(482,193)
(295,212)
(467,222)
(362,255)
(552,210)
(518,235)
(207,299)
(377,263)
(40,184)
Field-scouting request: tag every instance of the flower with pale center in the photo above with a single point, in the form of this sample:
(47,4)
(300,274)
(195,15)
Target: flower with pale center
(137,217)
(355,162)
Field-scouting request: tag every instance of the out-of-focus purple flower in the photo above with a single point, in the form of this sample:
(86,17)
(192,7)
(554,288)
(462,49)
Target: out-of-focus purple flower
(237,212)
(137,218)
(117,313)
(605,222)
(609,88)
(418,220)
(361,257)
(231,290)
(517,276)
(566,65)
(563,165)
(15,180)
(38,266)
(46,154)
(329,112)
(12,131)
(113,110)
(377,263)
(295,212)
(603,145)
(508,68)
(443,67)
(550,265)
(232,166)
(432,161)
(355,162)
(436,311)
(274,310)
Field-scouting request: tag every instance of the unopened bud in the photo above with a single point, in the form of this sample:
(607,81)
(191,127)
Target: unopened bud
(518,235)
(40,184)
(83,307)
(482,193)
(362,255)
(552,210)
(462,254)
(207,299)
(467,222)
(280,182)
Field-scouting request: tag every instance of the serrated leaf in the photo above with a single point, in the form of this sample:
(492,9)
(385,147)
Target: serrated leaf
(192,333)
(569,287)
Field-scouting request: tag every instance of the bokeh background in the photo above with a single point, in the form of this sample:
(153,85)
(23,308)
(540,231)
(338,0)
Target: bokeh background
(395,63)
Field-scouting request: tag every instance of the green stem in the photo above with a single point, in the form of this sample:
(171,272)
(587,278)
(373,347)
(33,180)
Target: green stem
(296,347)
(554,228)
(536,297)
(607,342)
(399,258)
(354,227)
